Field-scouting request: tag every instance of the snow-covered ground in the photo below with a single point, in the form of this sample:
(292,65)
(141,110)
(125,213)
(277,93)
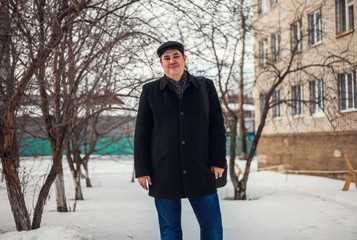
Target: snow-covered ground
(281,207)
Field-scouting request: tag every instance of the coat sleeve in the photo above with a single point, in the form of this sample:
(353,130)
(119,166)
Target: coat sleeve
(142,137)
(217,132)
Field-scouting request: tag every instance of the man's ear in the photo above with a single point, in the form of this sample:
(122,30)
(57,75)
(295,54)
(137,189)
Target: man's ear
(184,57)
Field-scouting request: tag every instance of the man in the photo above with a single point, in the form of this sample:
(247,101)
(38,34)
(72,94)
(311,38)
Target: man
(179,148)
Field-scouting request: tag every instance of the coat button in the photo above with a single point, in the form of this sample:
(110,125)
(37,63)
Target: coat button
(183,142)
(181,113)
(184,171)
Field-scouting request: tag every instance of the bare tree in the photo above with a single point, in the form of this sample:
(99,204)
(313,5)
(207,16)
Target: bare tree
(92,134)
(30,32)
(87,74)
(17,71)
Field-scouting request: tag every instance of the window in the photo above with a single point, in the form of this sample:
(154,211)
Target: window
(275,39)
(315,27)
(296,37)
(273,2)
(345,16)
(263,97)
(347,87)
(316,97)
(277,104)
(263,52)
(297,97)
(262,6)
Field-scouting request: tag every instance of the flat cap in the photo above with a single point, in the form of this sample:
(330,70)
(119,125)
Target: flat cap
(170,45)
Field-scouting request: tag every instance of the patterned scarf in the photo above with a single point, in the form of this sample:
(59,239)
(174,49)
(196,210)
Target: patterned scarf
(179,86)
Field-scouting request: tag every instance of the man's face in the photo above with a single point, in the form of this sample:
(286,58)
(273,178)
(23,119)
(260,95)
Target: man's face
(173,63)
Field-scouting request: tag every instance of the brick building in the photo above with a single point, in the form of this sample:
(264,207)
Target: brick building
(312,46)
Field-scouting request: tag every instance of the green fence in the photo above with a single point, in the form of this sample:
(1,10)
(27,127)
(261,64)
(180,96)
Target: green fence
(105,146)
(110,146)
(239,144)
(35,147)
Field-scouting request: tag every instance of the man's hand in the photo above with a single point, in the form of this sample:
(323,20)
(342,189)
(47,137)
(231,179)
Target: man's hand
(144,180)
(217,171)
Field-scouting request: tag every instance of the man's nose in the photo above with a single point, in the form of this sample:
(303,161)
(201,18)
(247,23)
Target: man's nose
(172,61)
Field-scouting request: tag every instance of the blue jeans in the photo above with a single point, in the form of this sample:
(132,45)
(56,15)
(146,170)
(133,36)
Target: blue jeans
(206,209)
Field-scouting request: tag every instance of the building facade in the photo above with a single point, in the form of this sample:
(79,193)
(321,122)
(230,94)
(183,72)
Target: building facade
(305,63)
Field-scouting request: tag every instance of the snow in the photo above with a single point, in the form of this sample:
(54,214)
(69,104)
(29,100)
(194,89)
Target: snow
(281,207)
(47,233)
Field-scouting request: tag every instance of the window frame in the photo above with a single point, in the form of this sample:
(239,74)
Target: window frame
(316,98)
(345,102)
(262,6)
(276,43)
(263,101)
(273,2)
(296,41)
(315,27)
(277,113)
(297,100)
(263,52)
(344,16)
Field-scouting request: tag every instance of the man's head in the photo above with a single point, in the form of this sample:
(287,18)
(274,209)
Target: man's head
(172,59)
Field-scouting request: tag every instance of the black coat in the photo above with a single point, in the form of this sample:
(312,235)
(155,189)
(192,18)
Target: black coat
(175,143)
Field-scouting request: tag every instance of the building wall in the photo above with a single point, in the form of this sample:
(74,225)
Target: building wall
(304,151)
(306,142)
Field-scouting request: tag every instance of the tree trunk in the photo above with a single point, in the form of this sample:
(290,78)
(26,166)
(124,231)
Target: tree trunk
(77,173)
(242,186)
(232,156)
(60,191)
(42,197)
(15,195)
(133,175)
(242,190)
(10,163)
(69,157)
(242,131)
(86,171)
(78,187)
(241,90)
